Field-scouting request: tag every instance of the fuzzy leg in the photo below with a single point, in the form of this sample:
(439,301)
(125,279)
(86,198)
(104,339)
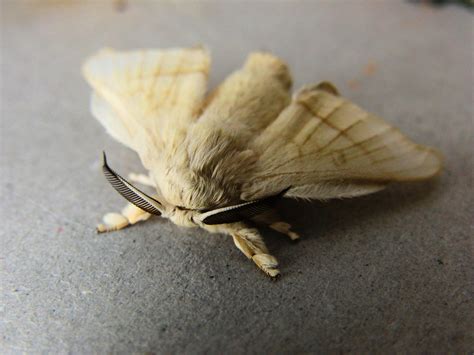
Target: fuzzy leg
(242,246)
(249,241)
(272,220)
(131,214)
(285,228)
(141,179)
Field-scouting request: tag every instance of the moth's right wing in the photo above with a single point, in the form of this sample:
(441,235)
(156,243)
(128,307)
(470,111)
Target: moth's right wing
(147,98)
(326,147)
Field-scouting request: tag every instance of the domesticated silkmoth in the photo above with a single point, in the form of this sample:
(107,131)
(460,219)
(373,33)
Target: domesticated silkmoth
(221,160)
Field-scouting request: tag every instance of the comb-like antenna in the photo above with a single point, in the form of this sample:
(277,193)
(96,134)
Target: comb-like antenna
(130,192)
(241,211)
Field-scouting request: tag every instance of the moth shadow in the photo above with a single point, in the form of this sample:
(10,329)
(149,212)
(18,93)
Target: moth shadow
(322,219)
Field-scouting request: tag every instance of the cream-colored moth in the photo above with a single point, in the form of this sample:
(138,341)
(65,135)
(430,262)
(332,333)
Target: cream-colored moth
(221,160)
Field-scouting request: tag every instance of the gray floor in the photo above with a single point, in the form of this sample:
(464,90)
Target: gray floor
(392,271)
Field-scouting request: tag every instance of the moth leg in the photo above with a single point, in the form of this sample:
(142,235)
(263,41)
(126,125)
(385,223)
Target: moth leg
(285,228)
(242,246)
(273,220)
(249,241)
(141,179)
(130,215)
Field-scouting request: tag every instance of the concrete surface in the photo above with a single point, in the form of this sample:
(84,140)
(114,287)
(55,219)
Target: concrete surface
(392,271)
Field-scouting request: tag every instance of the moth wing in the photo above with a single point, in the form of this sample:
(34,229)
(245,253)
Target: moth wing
(106,115)
(141,95)
(324,146)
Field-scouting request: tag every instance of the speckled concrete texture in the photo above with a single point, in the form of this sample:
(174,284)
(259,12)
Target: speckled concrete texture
(388,272)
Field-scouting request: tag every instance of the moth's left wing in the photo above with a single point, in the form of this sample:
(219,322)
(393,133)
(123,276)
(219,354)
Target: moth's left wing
(146,99)
(327,147)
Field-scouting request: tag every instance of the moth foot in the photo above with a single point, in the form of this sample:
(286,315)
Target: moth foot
(130,215)
(268,264)
(295,237)
(112,222)
(275,278)
(285,228)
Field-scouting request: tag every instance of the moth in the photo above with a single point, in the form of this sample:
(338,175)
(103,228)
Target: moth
(221,160)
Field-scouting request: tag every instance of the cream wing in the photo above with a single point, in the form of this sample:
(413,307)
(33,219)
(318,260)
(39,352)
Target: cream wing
(146,99)
(325,147)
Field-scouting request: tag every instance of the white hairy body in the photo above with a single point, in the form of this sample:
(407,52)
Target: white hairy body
(246,140)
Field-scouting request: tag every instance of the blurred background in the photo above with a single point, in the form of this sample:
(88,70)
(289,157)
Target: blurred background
(388,272)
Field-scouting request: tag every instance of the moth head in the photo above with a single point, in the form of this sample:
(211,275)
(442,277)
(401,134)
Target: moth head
(184,216)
